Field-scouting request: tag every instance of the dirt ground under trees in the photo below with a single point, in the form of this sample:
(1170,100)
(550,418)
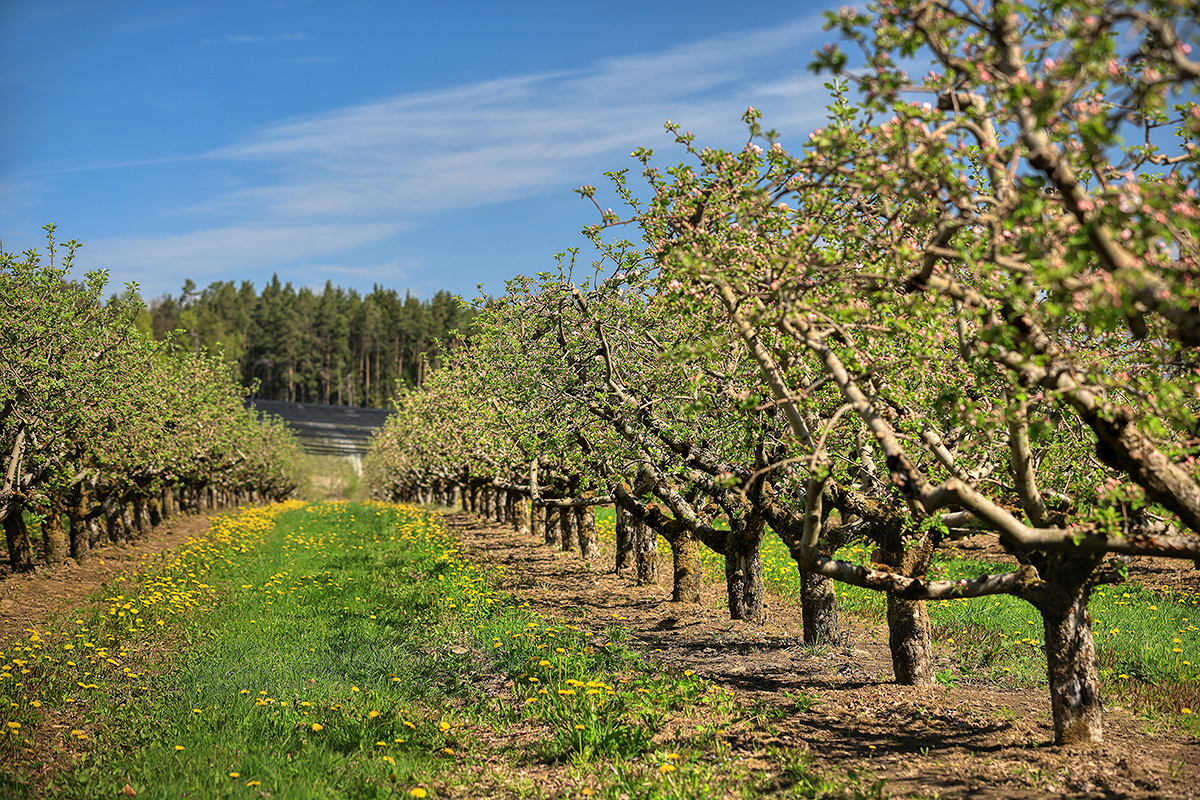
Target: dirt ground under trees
(966,740)
(29,600)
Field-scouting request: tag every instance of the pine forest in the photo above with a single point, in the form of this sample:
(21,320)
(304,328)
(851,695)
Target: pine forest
(299,345)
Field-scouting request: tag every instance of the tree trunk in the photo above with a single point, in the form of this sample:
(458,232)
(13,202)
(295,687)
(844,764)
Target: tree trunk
(819,607)
(95,532)
(685,551)
(553,532)
(743,584)
(537,524)
(1073,674)
(743,570)
(645,551)
(910,641)
(155,510)
(141,516)
(908,620)
(169,506)
(54,537)
(570,535)
(79,536)
(585,528)
(520,514)
(16,534)
(117,534)
(624,540)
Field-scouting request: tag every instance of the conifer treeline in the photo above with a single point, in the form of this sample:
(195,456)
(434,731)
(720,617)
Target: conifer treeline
(334,347)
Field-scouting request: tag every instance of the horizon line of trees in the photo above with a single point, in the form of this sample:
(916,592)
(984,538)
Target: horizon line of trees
(333,347)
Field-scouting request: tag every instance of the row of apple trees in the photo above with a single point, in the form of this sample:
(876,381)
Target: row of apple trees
(966,305)
(107,429)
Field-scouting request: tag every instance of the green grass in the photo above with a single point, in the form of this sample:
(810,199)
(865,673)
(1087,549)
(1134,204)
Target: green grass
(350,651)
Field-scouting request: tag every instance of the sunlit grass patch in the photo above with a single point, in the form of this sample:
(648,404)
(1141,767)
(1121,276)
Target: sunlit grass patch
(338,650)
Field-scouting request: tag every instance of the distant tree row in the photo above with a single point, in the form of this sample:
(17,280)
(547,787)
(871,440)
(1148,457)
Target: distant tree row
(335,347)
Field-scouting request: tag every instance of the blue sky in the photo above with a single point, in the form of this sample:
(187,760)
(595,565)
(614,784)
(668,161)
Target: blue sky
(420,146)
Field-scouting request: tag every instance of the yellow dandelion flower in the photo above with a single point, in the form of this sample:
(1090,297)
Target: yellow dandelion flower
(178,747)
(316,726)
(580,727)
(417,791)
(235,774)
(667,768)
(372,714)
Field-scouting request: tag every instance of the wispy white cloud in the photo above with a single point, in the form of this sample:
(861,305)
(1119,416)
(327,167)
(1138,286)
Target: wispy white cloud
(312,189)
(507,138)
(204,255)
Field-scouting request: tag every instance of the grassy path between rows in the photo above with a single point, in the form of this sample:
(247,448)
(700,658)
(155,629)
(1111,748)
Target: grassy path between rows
(340,650)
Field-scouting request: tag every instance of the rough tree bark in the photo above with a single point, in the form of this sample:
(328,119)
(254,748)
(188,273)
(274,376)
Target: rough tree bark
(645,552)
(585,529)
(520,515)
(819,608)
(569,534)
(54,536)
(16,534)
(537,523)
(743,569)
(1070,650)
(552,530)
(685,552)
(909,636)
(624,556)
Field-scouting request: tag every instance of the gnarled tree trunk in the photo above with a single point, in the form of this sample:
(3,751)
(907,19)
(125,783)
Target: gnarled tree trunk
(585,529)
(569,536)
(16,534)
(1070,650)
(819,607)
(553,532)
(743,569)
(685,551)
(54,536)
(624,556)
(520,514)
(645,551)
(909,636)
